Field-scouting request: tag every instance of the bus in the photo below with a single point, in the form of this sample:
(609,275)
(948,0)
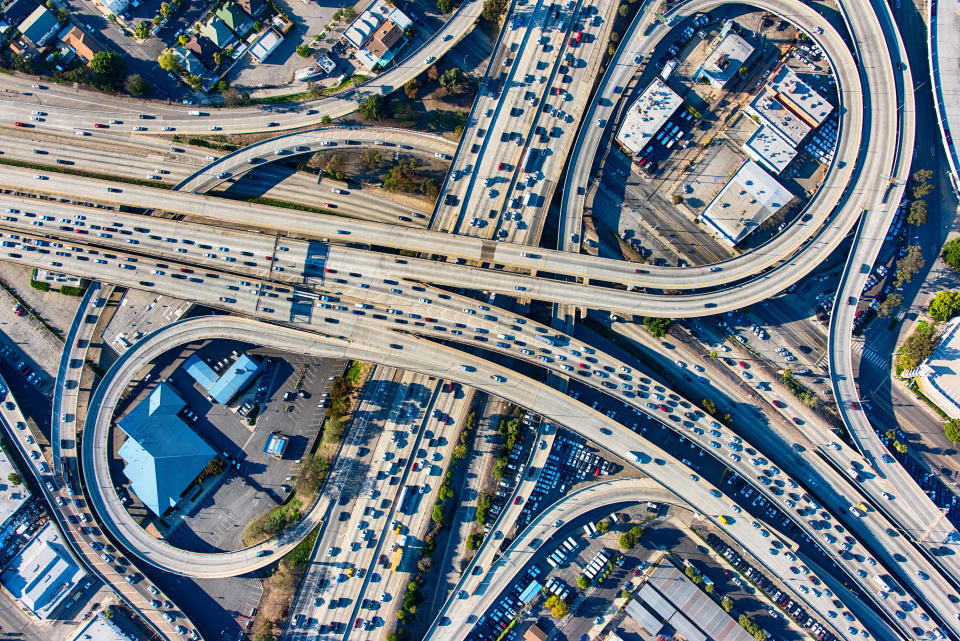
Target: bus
(405,502)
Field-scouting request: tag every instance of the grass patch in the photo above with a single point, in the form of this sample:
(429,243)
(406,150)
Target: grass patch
(60,169)
(356,79)
(260,200)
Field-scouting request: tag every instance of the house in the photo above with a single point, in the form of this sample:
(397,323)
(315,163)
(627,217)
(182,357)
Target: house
(81,43)
(377,34)
(266,44)
(218,33)
(17,11)
(39,26)
(253,7)
(235,19)
(203,49)
(188,62)
(112,7)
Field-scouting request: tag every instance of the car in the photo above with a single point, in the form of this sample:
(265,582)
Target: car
(429,59)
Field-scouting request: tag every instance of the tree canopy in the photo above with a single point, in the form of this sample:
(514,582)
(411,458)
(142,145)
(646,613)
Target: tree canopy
(951,253)
(945,305)
(658,327)
(109,70)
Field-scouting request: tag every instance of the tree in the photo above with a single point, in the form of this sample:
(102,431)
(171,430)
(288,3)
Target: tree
(910,264)
(304,51)
(709,588)
(889,305)
(109,70)
(40,285)
(727,604)
(437,515)
(677,199)
(709,405)
(372,107)
(921,186)
(951,253)
(325,120)
(232,98)
(558,607)
(582,582)
(183,39)
(603,526)
(217,58)
(624,594)
(460,451)
(411,88)
(627,541)
(137,86)
(918,213)
(951,430)
(474,541)
(166,9)
(623,10)
(445,6)
(142,30)
(168,62)
(493,9)
(334,167)
(14,478)
(917,348)
(107,613)
(945,305)
(63,16)
(450,78)
(658,327)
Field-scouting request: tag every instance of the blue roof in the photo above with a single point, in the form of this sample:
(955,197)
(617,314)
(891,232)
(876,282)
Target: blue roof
(223,388)
(163,454)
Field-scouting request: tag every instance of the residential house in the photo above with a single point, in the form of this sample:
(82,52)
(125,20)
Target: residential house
(203,49)
(188,62)
(253,7)
(235,18)
(218,33)
(39,26)
(17,11)
(81,43)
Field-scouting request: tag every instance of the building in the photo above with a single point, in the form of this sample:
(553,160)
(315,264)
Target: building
(770,149)
(939,376)
(224,387)
(789,106)
(17,11)
(163,455)
(217,32)
(39,26)
(235,18)
(99,628)
(378,34)
(534,633)
(80,42)
(57,278)
(188,62)
(744,202)
(203,49)
(276,444)
(668,604)
(266,44)
(44,573)
(11,496)
(252,7)
(114,7)
(646,116)
(726,59)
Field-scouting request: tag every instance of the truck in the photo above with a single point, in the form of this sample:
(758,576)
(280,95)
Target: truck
(881,583)
(404,503)
(545,339)
(531,159)
(395,560)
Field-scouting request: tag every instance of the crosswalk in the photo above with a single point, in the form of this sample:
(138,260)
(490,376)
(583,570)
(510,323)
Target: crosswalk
(869,354)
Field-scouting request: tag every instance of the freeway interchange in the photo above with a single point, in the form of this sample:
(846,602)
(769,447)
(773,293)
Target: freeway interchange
(336,286)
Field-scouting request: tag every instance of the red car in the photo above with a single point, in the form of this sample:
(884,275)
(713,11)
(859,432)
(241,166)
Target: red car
(500,167)
(664,408)
(778,404)
(742,364)
(19,124)
(448,387)
(268,257)
(854,406)
(579,36)
(330,271)
(518,500)
(99,125)
(358,622)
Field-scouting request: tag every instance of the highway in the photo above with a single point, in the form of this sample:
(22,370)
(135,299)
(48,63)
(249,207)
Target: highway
(347,322)
(427,358)
(103,561)
(67,109)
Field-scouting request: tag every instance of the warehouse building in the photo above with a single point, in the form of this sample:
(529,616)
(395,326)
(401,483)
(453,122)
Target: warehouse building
(770,149)
(744,202)
(789,106)
(646,116)
(11,496)
(44,573)
(163,455)
(726,59)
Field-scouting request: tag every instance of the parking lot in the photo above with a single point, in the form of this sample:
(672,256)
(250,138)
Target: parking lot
(255,482)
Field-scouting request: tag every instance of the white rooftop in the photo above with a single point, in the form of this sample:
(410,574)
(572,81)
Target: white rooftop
(11,496)
(940,375)
(726,59)
(749,198)
(100,629)
(798,96)
(367,22)
(44,573)
(770,149)
(647,115)
(773,113)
